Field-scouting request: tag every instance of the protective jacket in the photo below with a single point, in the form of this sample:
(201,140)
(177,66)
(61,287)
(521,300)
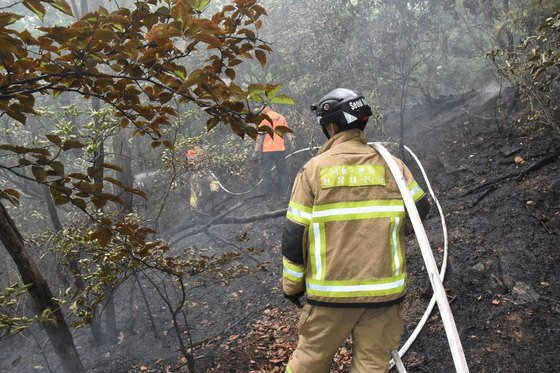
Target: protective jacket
(274,143)
(343,241)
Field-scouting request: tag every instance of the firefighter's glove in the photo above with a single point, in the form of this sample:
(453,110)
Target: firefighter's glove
(294,298)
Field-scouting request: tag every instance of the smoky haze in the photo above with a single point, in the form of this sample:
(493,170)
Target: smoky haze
(408,58)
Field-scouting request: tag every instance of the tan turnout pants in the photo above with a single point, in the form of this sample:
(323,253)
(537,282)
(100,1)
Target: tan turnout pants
(375,332)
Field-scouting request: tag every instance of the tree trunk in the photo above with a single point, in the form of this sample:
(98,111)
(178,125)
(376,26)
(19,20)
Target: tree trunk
(75,9)
(99,160)
(444,45)
(401,117)
(84,7)
(123,159)
(55,220)
(509,34)
(57,329)
(57,227)
(110,320)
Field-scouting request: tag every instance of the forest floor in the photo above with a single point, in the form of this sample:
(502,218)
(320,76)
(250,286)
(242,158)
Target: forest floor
(499,188)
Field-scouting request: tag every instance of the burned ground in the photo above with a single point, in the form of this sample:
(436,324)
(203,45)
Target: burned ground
(499,188)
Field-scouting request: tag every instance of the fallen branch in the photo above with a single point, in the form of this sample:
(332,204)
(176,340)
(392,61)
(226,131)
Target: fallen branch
(543,162)
(209,223)
(483,195)
(248,219)
(517,175)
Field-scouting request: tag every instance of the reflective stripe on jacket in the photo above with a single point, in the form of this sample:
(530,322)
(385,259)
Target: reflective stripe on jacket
(350,216)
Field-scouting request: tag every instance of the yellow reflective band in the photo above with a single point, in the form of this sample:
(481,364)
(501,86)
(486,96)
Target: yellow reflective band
(352,175)
(291,277)
(415,191)
(299,213)
(396,252)
(357,288)
(214,186)
(292,271)
(371,202)
(288,370)
(317,251)
(358,210)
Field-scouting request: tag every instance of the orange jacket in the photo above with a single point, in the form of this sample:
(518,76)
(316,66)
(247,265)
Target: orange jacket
(194,155)
(276,142)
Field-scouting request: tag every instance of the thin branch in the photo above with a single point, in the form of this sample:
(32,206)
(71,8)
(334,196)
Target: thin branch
(9,6)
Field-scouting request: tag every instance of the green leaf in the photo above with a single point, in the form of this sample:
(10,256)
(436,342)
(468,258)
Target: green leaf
(282,100)
(273,92)
(62,5)
(36,7)
(180,73)
(199,5)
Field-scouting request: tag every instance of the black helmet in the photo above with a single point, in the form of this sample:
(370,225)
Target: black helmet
(343,106)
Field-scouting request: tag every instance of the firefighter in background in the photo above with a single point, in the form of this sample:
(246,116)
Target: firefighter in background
(203,187)
(273,150)
(343,244)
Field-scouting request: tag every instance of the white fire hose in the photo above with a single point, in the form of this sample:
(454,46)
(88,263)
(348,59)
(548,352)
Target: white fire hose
(436,278)
(431,266)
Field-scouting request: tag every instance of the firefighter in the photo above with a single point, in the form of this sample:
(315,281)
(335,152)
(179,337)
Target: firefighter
(343,244)
(202,186)
(273,151)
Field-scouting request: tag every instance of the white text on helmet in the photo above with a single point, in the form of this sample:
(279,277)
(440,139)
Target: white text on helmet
(356,104)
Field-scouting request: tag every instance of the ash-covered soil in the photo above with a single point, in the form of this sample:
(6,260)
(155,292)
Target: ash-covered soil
(499,188)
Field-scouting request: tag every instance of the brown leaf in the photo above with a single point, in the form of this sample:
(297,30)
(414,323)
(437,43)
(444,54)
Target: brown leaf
(210,40)
(103,235)
(261,56)
(39,173)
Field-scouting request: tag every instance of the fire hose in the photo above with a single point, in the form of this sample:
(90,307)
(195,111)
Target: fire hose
(436,278)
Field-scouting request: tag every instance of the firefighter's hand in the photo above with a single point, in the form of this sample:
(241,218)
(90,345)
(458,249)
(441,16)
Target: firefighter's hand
(294,298)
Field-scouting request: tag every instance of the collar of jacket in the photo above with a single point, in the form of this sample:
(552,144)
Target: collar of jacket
(343,136)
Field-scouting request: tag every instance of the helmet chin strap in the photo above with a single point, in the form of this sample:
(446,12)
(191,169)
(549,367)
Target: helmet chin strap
(324,128)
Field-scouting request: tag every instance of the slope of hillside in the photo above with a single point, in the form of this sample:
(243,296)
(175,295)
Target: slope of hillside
(499,188)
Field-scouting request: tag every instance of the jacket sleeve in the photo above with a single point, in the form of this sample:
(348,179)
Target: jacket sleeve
(294,236)
(413,188)
(420,199)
